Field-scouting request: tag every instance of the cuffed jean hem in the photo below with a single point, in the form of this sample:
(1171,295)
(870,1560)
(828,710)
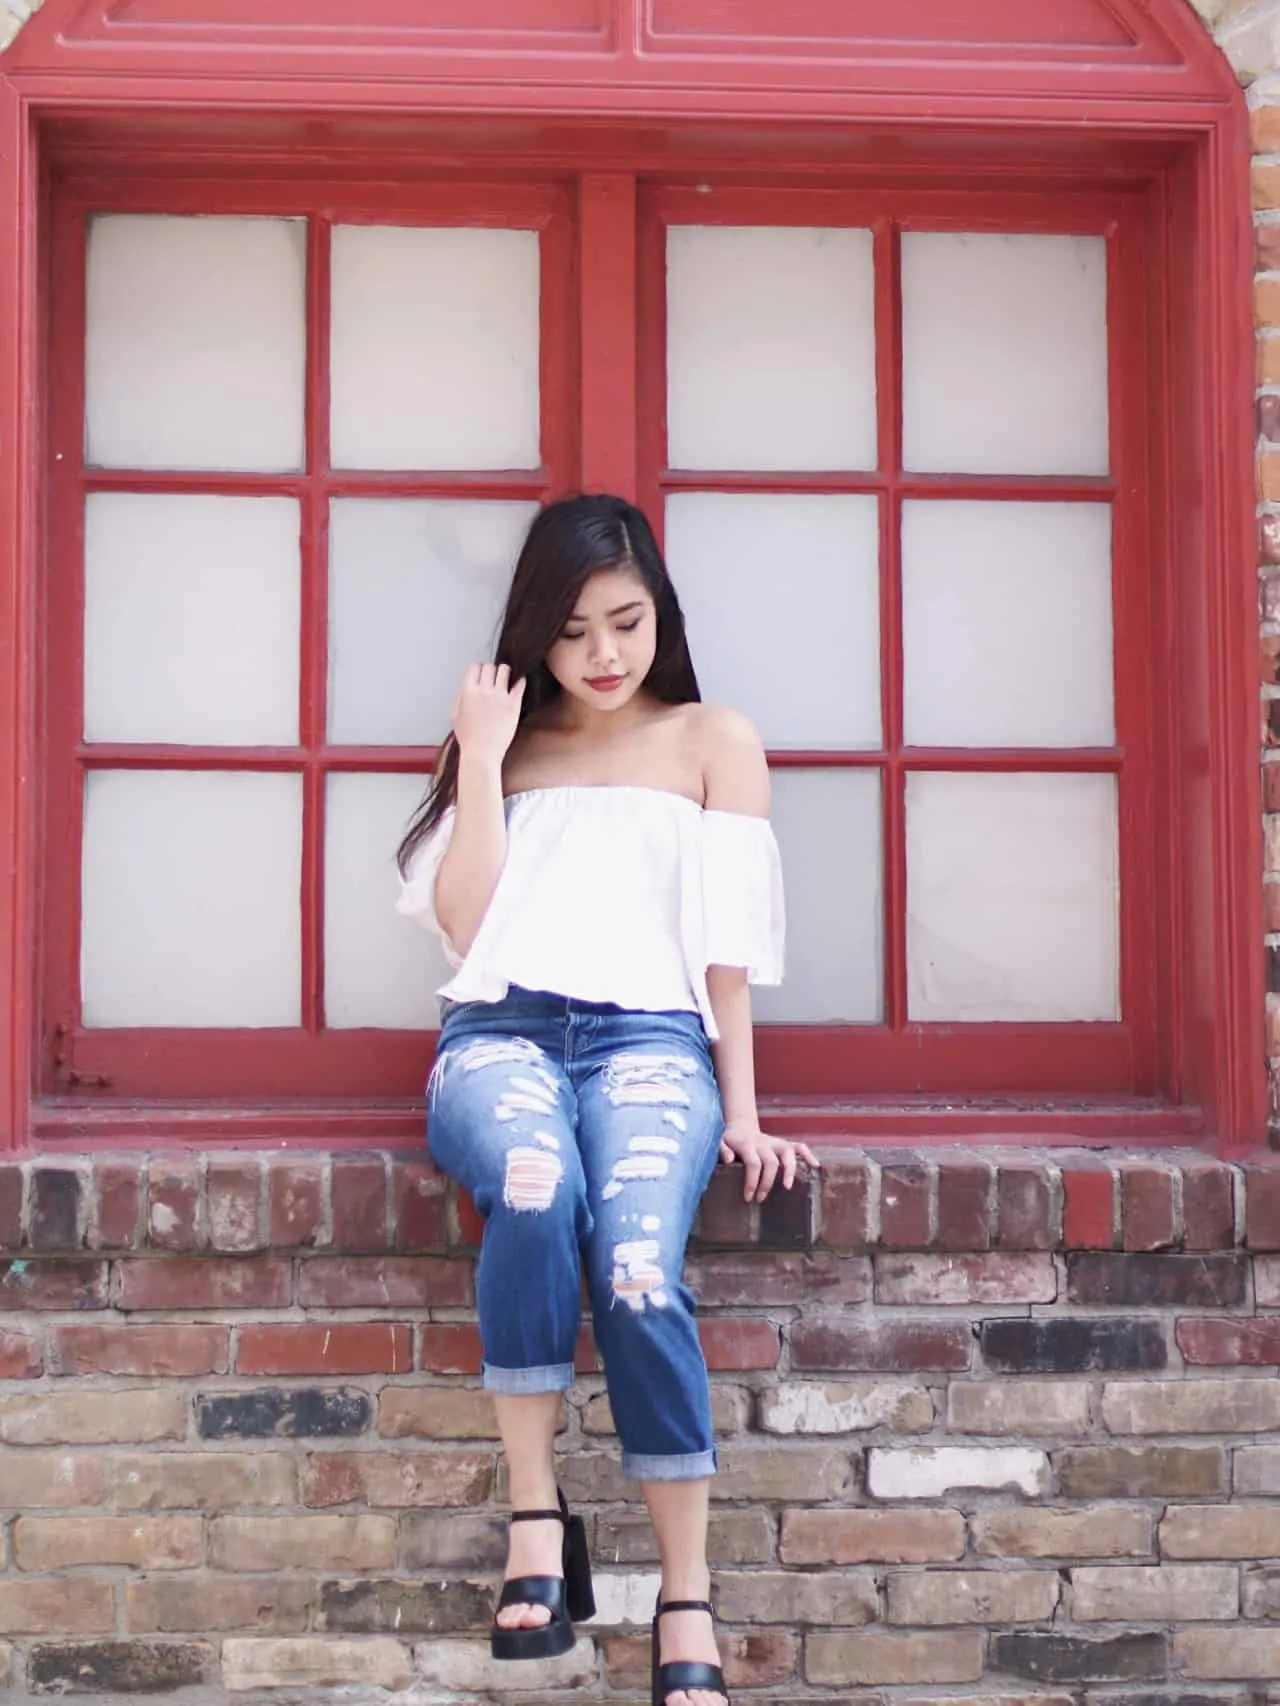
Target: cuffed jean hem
(524,1382)
(692,1466)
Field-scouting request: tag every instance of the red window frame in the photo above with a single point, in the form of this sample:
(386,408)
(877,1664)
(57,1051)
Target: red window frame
(603,429)
(897,1059)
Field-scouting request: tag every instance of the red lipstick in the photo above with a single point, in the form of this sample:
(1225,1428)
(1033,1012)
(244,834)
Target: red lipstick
(606,683)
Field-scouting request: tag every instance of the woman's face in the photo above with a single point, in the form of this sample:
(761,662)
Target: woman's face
(606,648)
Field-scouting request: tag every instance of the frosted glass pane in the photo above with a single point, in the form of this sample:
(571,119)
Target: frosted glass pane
(1012,897)
(1007,629)
(781,594)
(196,342)
(1004,353)
(416,591)
(435,348)
(771,357)
(191,898)
(828,827)
(380,969)
(191,619)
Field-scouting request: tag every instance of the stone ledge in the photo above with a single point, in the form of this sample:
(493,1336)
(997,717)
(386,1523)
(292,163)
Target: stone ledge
(378,1202)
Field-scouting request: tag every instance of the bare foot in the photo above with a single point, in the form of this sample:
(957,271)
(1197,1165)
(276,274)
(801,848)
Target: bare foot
(533,1549)
(690,1636)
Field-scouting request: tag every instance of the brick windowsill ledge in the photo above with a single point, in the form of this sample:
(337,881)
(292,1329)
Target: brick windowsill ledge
(385,1202)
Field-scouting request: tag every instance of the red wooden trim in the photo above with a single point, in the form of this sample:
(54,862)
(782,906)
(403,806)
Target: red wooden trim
(607,212)
(313,654)
(893,797)
(1025,488)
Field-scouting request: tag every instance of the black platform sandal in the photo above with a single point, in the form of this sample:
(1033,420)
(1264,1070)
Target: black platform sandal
(684,1675)
(569,1598)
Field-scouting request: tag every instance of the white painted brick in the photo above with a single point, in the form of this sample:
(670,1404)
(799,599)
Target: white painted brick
(623,1599)
(468,1666)
(805,1407)
(314,1662)
(933,1471)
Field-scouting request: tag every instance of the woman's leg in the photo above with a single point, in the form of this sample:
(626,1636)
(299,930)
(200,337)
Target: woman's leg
(501,1122)
(649,1124)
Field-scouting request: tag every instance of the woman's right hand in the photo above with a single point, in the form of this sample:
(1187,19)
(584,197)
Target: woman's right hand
(486,712)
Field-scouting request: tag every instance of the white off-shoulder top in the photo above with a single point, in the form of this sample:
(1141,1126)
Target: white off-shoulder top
(615,893)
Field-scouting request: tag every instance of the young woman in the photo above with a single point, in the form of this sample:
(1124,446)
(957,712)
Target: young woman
(596,853)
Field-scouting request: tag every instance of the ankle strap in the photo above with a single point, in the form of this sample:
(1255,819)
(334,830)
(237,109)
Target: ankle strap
(684,1605)
(537,1516)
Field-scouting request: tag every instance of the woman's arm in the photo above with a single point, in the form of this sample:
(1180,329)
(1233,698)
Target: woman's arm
(485,717)
(736,777)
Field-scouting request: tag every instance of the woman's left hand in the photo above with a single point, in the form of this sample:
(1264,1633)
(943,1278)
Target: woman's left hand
(765,1158)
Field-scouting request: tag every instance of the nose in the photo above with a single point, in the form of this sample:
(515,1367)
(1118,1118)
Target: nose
(604,652)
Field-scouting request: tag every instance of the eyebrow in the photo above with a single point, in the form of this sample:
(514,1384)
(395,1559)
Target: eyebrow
(622,610)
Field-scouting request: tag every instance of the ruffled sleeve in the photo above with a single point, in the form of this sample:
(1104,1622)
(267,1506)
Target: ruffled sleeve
(744,918)
(418,890)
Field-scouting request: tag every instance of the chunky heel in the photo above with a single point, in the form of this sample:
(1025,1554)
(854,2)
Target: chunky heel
(569,1598)
(683,1675)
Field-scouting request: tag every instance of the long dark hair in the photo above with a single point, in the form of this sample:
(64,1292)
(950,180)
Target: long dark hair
(568,542)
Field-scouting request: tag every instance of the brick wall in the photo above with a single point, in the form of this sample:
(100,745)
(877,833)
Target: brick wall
(990,1427)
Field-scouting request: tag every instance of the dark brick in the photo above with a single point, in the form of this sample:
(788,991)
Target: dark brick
(724,1216)
(964,1206)
(1208,1205)
(1088,1208)
(1044,1657)
(403,1608)
(1147,1217)
(126,1667)
(1194,1281)
(1141,1471)
(1024,1209)
(55,1209)
(359,1199)
(1068,1346)
(1262,1208)
(295,1204)
(418,1207)
(845,1202)
(271,1413)
(905,1189)
(787,1218)
(10,1206)
(900,1346)
(42,1284)
(118,1222)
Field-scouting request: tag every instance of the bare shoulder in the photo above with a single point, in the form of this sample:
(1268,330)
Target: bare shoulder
(734,770)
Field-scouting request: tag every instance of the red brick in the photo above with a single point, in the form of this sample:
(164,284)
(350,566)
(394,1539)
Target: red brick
(1148,1220)
(997,1277)
(48,1284)
(359,1200)
(759,1659)
(1271,902)
(965,1209)
(845,1205)
(470,1221)
(295,1204)
(1262,1207)
(1217,1343)
(1088,1209)
(451,1347)
(900,1346)
(725,1217)
(158,1350)
(384,1282)
(737,1279)
(19,1356)
(1024,1208)
(173,1203)
(234,1194)
(418,1207)
(1208,1203)
(364,1347)
(117,1224)
(905,1189)
(738,1344)
(397,1480)
(10,1206)
(586,1358)
(1268,247)
(209,1282)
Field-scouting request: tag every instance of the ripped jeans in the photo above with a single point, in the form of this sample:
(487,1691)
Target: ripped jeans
(585,1132)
